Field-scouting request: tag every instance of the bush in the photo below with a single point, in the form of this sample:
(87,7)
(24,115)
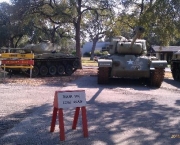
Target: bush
(73,52)
(87,54)
(97,53)
(105,53)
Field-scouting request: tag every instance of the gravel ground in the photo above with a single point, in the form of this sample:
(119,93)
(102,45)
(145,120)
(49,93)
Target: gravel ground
(123,112)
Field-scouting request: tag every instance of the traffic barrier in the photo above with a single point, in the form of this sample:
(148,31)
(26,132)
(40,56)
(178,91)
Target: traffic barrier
(67,99)
(17,60)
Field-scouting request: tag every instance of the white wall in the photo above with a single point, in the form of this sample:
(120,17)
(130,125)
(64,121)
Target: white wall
(88,46)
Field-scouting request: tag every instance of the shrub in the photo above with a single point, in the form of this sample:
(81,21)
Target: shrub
(97,53)
(105,53)
(87,54)
(73,52)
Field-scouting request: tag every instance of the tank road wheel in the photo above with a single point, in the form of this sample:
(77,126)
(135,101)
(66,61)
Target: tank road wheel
(176,74)
(157,77)
(35,71)
(52,70)
(60,69)
(103,75)
(43,70)
(68,70)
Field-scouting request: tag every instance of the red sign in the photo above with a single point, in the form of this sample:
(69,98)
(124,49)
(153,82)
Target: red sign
(18,62)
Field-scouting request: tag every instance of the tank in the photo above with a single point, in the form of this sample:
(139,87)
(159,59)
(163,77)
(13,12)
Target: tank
(48,60)
(175,66)
(128,59)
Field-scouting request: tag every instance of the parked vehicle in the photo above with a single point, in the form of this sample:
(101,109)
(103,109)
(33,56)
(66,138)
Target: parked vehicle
(175,66)
(48,60)
(128,59)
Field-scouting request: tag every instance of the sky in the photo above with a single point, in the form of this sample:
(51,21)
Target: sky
(8,1)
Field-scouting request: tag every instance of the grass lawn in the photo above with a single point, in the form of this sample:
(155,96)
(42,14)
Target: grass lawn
(87,62)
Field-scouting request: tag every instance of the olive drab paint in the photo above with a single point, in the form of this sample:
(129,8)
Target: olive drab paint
(128,59)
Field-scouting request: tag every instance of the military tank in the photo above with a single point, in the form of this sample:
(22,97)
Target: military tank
(49,61)
(175,66)
(128,59)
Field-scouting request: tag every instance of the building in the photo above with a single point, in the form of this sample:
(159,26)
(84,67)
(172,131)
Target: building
(161,52)
(88,46)
(164,52)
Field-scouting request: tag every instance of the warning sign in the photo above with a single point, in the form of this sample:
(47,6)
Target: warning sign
(67,99)
(18,55)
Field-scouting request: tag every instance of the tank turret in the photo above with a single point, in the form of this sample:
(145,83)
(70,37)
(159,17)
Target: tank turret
(43,47)
(129,46)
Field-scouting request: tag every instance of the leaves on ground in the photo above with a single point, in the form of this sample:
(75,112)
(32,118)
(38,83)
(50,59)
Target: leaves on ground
(57,80)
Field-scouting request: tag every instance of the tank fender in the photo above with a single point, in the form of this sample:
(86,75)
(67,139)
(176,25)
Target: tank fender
(158,64)
(104,63)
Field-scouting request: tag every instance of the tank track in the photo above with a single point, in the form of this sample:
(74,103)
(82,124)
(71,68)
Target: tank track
(53,67)
(103,75)
(175,71)
(157,77)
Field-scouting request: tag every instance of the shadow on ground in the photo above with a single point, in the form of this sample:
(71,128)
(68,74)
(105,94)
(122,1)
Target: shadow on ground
(142,122)
(11,120)
(91,82)
(172,82)
(132,122)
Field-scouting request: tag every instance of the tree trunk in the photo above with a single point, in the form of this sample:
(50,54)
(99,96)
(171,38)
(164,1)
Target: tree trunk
(77,25)
(11,42)
(78,45)
(93,48)
(16,44)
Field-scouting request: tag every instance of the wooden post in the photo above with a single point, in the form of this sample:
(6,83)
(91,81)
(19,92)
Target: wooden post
(76,114)
(53,122)
(61,124)
(31,72)
(4,73)
(84,122)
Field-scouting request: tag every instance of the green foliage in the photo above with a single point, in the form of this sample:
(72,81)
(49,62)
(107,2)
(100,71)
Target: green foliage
(87,54)
(160,19)
(26,21)
(73,52)
(105,53)
(123,26)
(97,53)
(100,53)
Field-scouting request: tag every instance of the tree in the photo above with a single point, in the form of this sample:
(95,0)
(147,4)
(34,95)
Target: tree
(4,16)
(97,24)
(67,12)
(159,17)
(13,25)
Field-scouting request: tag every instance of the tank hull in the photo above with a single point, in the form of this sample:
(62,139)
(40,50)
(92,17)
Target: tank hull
(175,66)
(132,67)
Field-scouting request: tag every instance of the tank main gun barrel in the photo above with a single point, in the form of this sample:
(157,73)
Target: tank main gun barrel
(138,32)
